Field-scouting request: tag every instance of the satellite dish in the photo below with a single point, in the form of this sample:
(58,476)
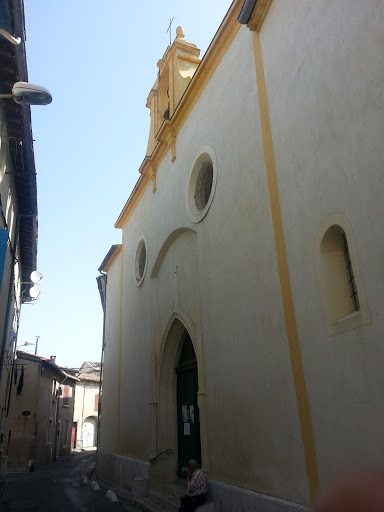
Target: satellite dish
(35,292)
(36,277)
(25,93)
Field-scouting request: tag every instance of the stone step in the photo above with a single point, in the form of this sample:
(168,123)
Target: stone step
(147,505)
(175,489)
(166,500)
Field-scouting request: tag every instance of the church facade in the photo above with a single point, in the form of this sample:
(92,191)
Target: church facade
(244,305)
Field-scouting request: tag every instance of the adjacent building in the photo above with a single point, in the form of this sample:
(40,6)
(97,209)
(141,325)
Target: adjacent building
(85,419)
(18,199)
(40,412)
(244,305)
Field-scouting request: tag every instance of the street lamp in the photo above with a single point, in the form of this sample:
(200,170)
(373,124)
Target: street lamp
(25,93)
(12,39)
(27,343)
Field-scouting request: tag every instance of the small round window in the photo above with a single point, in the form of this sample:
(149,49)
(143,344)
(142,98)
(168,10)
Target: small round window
(140,261)
(202,184)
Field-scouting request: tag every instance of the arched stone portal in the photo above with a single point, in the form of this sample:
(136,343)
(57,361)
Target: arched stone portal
(178,369)
(175,295)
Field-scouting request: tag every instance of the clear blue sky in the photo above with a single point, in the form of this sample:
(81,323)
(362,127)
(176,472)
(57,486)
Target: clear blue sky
(98,59)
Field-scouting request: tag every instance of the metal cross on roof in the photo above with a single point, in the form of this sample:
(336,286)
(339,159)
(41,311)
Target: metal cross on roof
(170,31)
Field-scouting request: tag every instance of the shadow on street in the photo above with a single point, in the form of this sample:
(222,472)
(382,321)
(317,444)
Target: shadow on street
(57,487)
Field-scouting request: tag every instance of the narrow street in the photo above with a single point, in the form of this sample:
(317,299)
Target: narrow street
(58,487)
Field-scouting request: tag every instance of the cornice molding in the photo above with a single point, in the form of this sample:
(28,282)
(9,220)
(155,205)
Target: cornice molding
(166,136)
(112,258)
(133,200)
(258,15)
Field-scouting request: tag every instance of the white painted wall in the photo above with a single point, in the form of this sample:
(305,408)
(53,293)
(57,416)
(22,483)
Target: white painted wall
(324,70)
(253,430)
(324,75)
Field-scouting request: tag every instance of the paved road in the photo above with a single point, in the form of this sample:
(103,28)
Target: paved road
(57,488)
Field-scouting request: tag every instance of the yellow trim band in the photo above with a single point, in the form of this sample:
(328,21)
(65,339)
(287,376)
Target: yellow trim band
(285,285)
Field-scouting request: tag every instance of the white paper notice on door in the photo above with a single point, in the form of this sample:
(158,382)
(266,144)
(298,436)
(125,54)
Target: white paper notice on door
(187,429)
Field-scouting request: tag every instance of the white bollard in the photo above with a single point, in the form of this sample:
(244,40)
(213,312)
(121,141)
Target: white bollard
(95,486)
(207,507)
(110,496)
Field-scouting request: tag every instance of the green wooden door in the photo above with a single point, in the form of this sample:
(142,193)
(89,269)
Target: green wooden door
(188,425)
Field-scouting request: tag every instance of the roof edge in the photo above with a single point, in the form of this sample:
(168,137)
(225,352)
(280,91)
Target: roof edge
(109,257)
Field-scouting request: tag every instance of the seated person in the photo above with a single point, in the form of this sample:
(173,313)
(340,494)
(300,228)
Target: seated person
(196,488)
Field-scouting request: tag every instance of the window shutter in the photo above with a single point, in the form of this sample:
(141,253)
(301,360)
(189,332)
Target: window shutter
(96,402)
(66,395)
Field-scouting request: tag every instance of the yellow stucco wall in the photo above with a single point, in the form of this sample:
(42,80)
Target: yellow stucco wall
(108,418)
(29,440)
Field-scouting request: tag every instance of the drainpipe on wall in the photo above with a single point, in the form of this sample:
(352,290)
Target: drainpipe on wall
(102,285)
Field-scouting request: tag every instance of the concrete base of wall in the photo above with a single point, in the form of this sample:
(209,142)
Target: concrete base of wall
(124,473)
(120,471)
(227,498)
(106,467)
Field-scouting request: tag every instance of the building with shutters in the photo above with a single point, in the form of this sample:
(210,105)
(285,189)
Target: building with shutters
(85,419)
(244,306)
(18,202)
(40,413)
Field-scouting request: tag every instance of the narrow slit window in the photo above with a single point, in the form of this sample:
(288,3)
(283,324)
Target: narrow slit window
(351,281)
(339,276)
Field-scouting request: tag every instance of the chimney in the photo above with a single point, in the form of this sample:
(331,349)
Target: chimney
(52,359)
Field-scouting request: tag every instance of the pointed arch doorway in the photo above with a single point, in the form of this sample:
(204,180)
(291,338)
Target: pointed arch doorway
(180,381)
(188,418)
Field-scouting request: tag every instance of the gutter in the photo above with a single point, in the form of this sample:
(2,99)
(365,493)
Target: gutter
(67,376)
(246,11)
